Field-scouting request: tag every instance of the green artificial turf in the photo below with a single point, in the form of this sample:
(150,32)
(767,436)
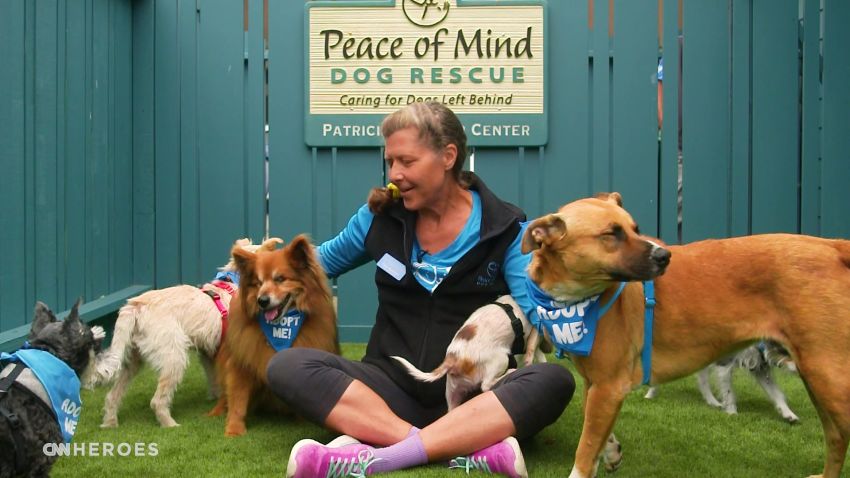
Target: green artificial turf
(674,435)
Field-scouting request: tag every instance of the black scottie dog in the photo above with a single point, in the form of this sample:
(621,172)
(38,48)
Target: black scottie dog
(40,390)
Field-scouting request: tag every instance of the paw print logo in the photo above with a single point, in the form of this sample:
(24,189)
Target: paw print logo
(425,13)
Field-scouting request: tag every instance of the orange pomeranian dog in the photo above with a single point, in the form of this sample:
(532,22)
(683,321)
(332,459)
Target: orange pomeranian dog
(283,301)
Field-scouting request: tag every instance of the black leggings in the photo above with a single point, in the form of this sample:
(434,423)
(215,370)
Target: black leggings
(533,396)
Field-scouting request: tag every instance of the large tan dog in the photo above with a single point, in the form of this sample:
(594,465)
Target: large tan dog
(716,297)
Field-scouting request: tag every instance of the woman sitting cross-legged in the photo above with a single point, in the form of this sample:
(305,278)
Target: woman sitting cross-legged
(444,246)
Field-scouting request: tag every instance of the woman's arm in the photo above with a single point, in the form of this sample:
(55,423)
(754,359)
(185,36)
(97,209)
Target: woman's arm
(347,250)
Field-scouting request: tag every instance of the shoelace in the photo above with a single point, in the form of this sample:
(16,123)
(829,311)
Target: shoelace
(468,463)
(354,468)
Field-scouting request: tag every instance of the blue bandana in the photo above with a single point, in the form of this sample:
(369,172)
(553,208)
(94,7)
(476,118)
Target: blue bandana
(281,332)
(228,276)
(571,327)
(60,382)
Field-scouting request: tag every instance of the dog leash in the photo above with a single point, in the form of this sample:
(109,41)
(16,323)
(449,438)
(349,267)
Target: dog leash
(648,316)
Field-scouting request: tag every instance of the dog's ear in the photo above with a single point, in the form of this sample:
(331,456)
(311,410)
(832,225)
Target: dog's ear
(41,317)
(73,319)
(543,231)
(242,242)
(300,252)
(615,198)
(271,243)
(244,260)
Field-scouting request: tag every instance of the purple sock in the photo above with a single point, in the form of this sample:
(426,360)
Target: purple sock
(404,454)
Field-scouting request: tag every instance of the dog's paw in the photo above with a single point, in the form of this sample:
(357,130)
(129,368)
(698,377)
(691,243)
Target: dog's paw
(98,332)
(651,393)
(168,423)
(235,429)
(218,409)
(109,423)
(791,419)
(612,454)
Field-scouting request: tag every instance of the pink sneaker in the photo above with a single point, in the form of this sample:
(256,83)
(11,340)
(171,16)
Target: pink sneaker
(311,459)
(503,458)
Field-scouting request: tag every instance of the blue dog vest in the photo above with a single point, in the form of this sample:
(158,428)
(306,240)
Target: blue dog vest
(571,327)
(281,332)
(60,382)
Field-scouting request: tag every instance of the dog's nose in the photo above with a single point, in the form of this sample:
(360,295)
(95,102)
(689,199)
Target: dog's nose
(660,256)
(263,301)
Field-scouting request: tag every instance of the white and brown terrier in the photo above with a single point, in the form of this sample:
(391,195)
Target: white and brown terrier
(479,354)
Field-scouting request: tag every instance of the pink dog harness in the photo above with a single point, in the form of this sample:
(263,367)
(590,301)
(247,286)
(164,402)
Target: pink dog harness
(227,287)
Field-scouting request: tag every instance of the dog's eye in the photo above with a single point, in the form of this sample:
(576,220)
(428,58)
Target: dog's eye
(279,279)
(637,229)
(615,232)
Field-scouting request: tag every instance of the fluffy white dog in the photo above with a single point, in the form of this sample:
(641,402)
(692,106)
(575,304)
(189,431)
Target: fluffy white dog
(160,327)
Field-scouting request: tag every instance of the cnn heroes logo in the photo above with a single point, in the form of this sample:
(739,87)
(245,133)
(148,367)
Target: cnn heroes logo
(101,449)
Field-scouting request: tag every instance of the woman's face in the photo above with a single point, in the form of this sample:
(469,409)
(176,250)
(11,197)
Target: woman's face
(419,172)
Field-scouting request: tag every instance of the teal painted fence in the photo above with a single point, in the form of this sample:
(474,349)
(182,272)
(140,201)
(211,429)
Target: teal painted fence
(131,135)
(65,155)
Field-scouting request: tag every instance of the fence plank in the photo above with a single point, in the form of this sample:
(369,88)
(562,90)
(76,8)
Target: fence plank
(668,176)
(221,117)
(122,148)
(565,163)
(44,153)
(255,120)
(810,178)
(167,144)
(190,163)
(705,128)
(12,149)
(98,166)
(144,190)
(356,171)
(635,104)
(775,123)
(600,97)
(501,170)
(76,125)
(740,217)
(836,120)
(60,154)
(27,275)
(291,162)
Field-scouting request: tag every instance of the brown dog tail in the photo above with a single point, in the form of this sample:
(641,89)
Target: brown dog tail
(433,376)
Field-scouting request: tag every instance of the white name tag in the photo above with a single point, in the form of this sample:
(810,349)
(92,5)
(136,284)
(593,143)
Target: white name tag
(392,266)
